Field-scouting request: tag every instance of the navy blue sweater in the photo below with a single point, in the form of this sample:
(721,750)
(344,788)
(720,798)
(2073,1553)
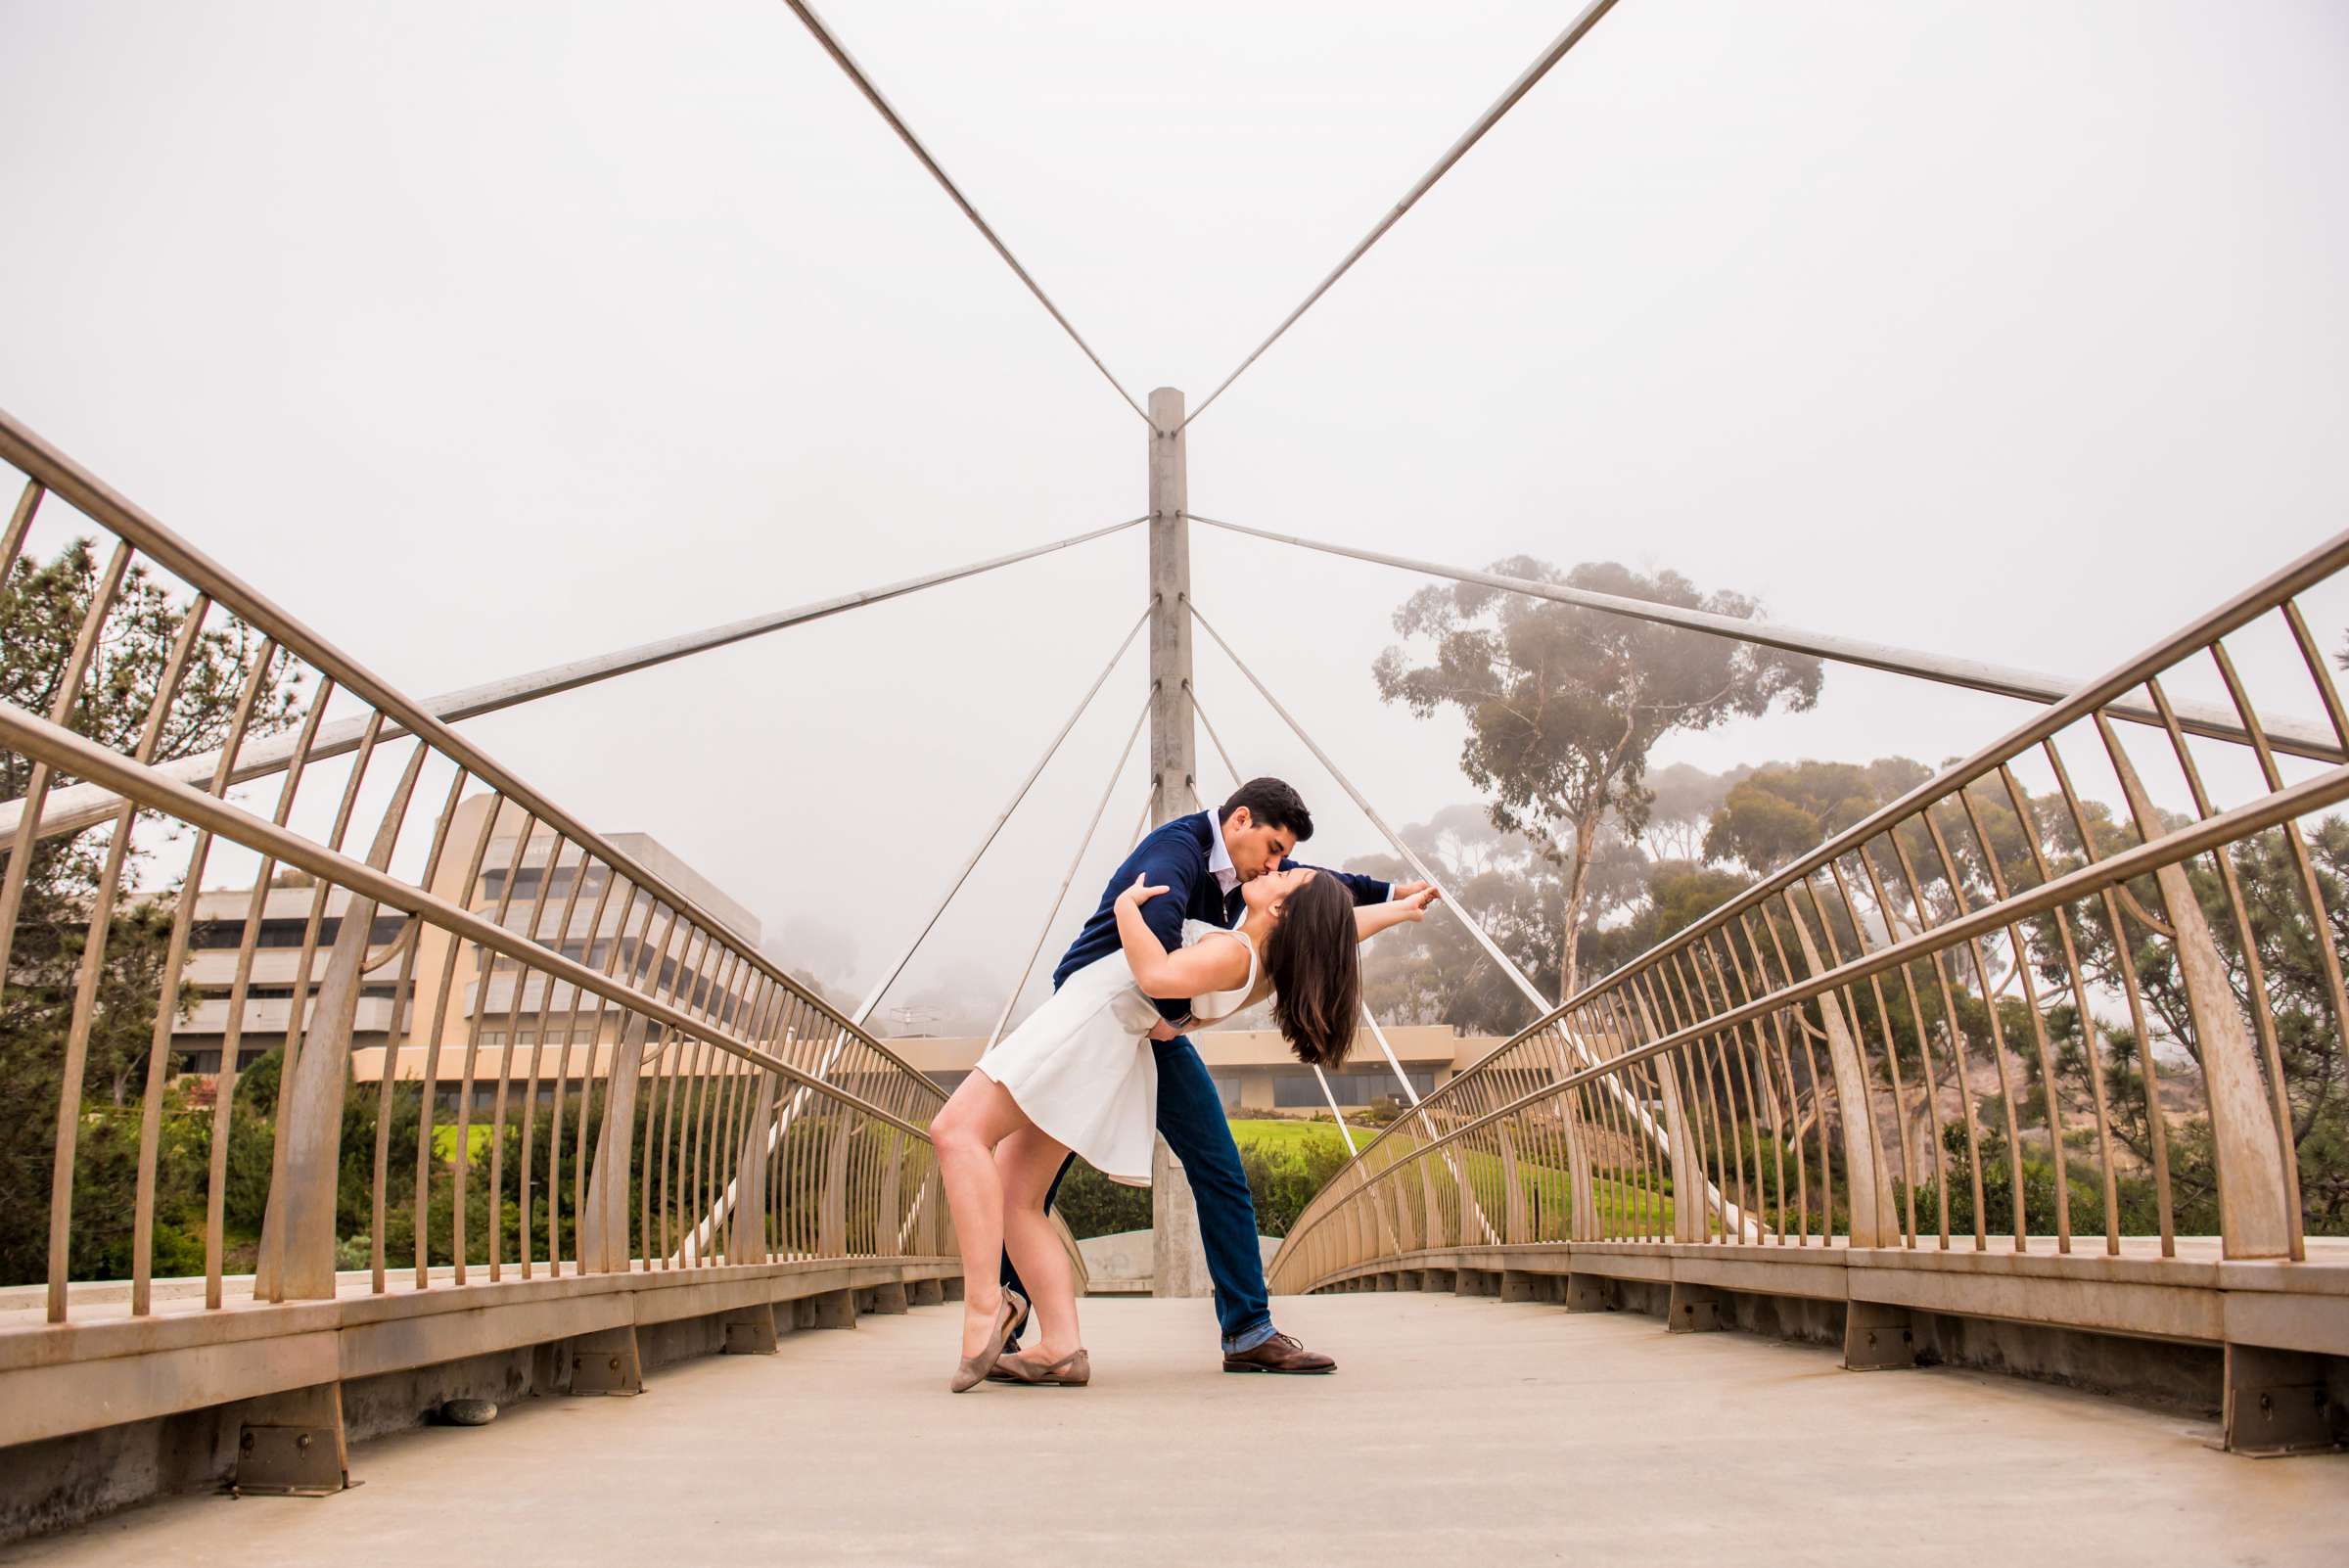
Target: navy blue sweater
(1174,857)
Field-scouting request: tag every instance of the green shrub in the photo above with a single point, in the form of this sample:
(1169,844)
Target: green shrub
(1096,1206)
(1284,1180)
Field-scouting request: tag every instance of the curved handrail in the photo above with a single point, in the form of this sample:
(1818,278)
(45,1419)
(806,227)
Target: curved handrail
(1681,999)
(655,959)
(92,496)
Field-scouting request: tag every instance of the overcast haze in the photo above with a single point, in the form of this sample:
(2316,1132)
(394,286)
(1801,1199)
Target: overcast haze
(486,337)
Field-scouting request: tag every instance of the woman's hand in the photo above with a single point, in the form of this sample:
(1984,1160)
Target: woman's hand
(1369,919)
(1140,892)
(1167,976)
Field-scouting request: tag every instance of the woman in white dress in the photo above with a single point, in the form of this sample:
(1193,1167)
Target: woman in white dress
(1078,1075)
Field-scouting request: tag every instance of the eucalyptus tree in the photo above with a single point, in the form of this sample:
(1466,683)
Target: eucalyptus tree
(1564,704)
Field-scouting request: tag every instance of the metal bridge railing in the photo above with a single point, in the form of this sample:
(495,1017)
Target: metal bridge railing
(2079,982)
(672,1098)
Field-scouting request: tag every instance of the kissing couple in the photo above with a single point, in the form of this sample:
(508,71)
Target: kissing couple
(1205,917)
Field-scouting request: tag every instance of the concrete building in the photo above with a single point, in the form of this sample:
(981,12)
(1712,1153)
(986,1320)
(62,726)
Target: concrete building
(478,1003)
(215,939)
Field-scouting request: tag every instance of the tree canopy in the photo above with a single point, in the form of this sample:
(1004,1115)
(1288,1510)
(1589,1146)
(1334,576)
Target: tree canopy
(1564,703)
(42,607)
(1780,811)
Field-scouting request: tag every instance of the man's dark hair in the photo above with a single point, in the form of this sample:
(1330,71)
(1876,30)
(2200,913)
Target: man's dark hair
(1271,804)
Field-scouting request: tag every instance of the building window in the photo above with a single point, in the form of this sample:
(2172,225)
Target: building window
(208,1062)
(1359,1085)
(286,932)
(529,880)
(1352,1086)
(1293,1090)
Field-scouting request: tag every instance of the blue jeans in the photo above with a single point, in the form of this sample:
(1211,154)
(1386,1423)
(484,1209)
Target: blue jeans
(1191,1119)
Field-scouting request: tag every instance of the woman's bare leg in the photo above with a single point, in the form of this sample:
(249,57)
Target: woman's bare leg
(966,1130)
(1026,1162)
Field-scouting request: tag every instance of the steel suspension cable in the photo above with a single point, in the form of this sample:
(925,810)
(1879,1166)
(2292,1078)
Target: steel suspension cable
(1319,1077)
(1115,772)
(1221,750)
(1557,50)
(1411,857)
(1638,1113)
(841,1039)
(84,806)
(847,62)
(2300,738)
(1386,1048)
(888,979)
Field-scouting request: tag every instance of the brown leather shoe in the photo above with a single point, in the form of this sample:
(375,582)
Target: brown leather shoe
(1280,1354)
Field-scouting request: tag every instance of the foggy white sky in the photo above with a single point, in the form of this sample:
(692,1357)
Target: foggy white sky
(488,337)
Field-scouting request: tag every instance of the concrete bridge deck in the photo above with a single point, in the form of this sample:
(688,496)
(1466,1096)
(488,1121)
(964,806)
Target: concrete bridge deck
(1469,1430)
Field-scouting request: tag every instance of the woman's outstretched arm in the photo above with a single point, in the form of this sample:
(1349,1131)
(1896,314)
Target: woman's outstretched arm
(1185,971)
(1369,919)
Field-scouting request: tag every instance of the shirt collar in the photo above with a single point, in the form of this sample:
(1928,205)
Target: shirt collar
(1219,859)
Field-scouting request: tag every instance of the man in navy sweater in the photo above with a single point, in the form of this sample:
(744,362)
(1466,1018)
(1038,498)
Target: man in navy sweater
(1201,860)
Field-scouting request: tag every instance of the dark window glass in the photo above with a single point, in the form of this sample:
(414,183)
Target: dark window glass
(287,932)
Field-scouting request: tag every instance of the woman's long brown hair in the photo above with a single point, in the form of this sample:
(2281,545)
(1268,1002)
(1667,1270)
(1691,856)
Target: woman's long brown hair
(1316,966)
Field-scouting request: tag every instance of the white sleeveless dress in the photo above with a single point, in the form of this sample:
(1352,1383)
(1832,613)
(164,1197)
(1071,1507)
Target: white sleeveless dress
(1082,1068)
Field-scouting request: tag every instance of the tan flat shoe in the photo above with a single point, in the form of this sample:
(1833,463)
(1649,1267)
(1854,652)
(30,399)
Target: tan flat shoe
(1018,1320)
(1072,1370)
(973,1369)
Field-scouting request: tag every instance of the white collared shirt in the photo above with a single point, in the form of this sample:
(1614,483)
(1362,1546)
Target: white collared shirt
(1219,859)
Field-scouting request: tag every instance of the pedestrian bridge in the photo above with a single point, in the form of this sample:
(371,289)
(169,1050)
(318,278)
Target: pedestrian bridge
(1811,1231)
(1473,1430)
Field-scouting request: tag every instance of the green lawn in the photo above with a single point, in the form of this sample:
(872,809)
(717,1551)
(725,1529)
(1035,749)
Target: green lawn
(1294,1137)
(1545,1185)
